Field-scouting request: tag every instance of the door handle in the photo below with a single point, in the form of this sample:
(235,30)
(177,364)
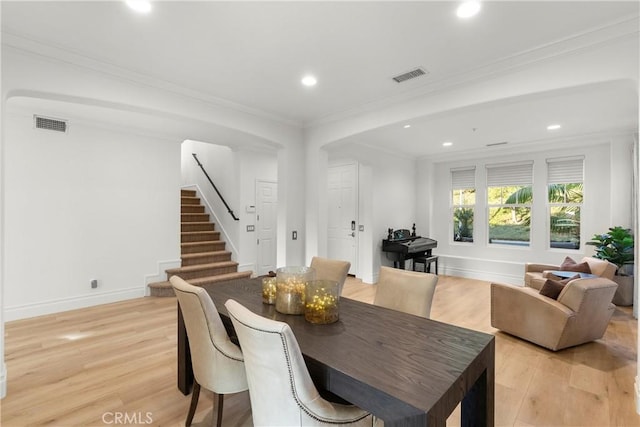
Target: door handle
(353,234)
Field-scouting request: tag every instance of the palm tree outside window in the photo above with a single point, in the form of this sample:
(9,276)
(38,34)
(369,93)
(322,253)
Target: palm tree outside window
(509,202)
(565,197)
(463,201)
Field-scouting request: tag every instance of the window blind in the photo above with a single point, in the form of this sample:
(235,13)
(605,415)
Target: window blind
(501,175)
(566,170)
(463,178)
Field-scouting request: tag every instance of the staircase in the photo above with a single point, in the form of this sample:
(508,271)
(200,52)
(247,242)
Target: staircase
(204,258)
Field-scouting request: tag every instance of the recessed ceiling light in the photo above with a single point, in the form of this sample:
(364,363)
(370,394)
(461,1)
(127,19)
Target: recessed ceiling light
(468,9)
(407,126)
(447,144)
(309,80)
(553,127)
(142,6)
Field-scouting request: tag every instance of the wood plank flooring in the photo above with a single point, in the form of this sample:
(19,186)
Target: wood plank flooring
(91,366)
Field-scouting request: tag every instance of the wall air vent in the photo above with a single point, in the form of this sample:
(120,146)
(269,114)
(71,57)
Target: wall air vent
(49,123)
(497,143)
(410,75)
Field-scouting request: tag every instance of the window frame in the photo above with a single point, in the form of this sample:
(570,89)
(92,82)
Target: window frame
(503,175)
(462,179)
(564,171)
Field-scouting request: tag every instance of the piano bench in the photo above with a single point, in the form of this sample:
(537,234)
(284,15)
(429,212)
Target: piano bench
(426,262)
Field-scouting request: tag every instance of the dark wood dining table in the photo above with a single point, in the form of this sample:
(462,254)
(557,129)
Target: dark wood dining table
(404,369)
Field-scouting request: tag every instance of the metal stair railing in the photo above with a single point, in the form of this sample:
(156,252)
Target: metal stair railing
(215,188)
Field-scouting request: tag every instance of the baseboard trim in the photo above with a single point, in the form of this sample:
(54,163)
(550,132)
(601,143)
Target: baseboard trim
(247,267)
(481,275)
(71,303)
(161,274)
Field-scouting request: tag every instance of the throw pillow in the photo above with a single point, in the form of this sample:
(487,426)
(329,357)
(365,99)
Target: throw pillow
(570,265)
(552,288)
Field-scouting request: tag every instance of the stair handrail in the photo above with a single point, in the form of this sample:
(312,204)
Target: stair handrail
(215,188)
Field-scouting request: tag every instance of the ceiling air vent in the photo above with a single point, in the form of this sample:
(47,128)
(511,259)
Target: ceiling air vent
(410,75)
(48,123)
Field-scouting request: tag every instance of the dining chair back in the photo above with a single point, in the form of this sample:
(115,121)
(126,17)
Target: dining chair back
(280,387)
(408,291)
(331,269)
(217,362)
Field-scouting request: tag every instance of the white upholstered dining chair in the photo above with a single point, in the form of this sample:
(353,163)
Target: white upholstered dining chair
(217,363)
(281,390)
(331,269)
(408,291)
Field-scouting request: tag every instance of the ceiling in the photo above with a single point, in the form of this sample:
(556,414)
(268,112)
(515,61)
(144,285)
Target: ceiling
(253,54)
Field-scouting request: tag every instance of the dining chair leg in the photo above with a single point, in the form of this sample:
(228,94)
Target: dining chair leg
(195,395)
(220,405)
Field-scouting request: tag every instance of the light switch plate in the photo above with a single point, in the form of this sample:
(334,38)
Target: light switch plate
(251,228)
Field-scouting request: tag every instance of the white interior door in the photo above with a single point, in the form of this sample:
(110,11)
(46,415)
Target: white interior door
(266,222)
(343,214)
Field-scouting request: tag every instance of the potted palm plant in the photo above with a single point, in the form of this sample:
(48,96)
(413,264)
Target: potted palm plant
(616,246)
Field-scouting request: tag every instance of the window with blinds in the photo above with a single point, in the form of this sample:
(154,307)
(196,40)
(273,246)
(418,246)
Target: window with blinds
(463,201)
(509,201)
(565,186)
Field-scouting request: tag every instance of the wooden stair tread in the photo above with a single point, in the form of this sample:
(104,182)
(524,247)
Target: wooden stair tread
(204,242)
(160,285)
(204,254)
(197,267)
(193,233)
(220,278)
(209,279)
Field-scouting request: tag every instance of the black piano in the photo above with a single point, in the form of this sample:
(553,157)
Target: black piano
(401,245)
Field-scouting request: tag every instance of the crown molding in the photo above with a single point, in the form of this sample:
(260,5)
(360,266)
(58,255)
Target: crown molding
(533,146)
(63,55)
(592,39)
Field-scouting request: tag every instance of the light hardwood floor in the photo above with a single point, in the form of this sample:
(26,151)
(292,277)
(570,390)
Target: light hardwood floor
(89,366)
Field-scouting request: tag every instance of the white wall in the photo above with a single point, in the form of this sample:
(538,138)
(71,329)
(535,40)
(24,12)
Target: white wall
(95,203)
(3,366)
(291,205)
(506,264)
(253,166)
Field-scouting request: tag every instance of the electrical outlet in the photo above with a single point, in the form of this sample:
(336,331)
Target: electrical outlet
(94,283)
(294,235)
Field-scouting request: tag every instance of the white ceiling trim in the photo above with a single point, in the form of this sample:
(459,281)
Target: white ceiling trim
(580,42)
(533,146)
(59,54)
(586,40)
